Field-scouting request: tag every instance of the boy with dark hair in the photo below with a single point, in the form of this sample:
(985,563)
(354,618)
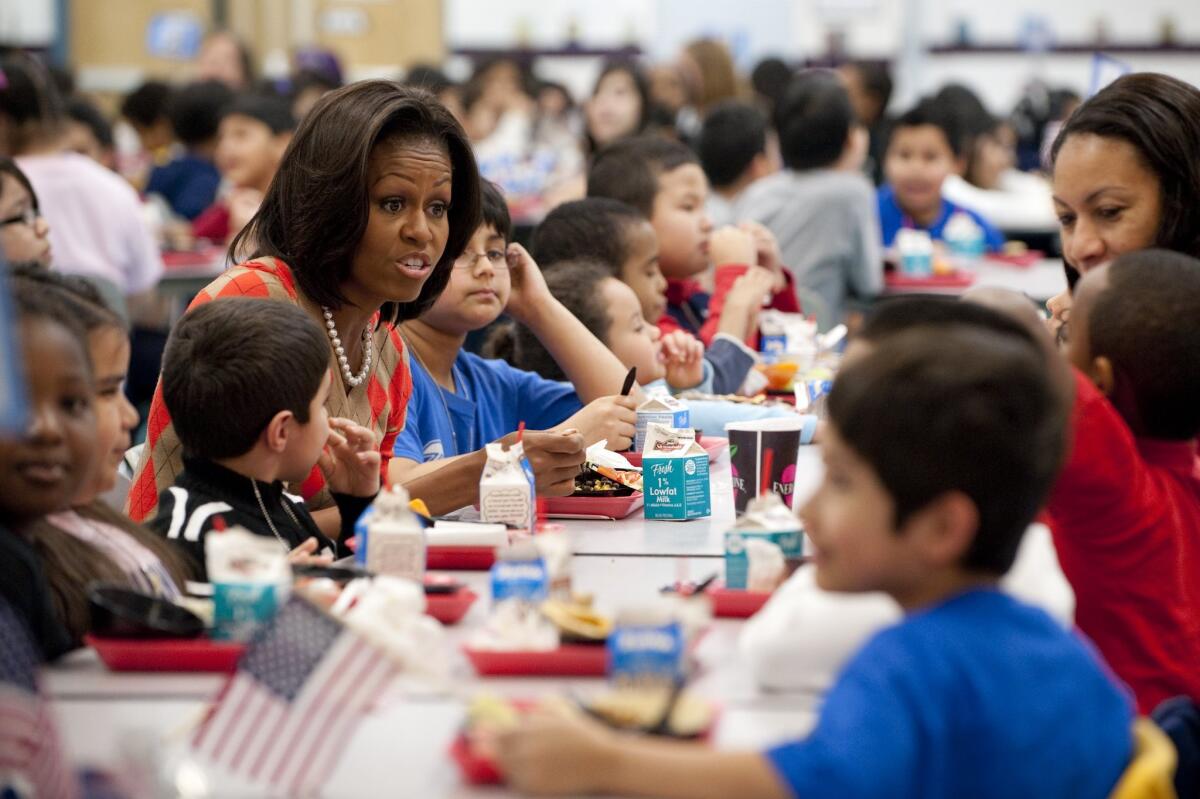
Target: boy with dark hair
(616,235)
(973,693)
(254,132)
(1126,510)
(145,108)
(189,182)
(733,151)
(460,402)
(245,381)
(924,148)
(823,216)
(663,180)
(88,133)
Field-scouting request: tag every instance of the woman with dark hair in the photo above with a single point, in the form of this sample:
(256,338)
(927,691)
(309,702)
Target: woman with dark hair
(1126,175)
(619,104)
(377,195)
(24,232)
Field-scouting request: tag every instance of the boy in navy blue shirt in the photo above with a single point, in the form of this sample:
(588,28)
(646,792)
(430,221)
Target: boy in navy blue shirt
(189,181)
(460,402)
(941,447)
(924,148)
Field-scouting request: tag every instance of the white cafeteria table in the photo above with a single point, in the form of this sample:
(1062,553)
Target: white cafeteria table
(1039,281)
(115,720)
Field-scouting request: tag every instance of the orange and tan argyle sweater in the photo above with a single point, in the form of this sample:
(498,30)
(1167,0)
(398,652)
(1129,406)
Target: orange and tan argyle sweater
(378,404)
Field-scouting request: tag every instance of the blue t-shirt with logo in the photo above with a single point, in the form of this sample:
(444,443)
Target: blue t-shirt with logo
(980,696)
(892,218)
(492,399)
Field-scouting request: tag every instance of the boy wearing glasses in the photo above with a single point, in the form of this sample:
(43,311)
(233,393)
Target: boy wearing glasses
(460,402)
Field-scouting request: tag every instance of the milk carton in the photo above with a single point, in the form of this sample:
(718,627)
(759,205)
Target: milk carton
(675,474)
(251,580)
(646,646)
(766,518)
(506,488)
(915,249)
(395,541)
(661,409)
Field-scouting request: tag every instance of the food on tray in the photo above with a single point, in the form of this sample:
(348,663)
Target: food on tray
(642,709)
(576,620)
(493,712)
(603,481)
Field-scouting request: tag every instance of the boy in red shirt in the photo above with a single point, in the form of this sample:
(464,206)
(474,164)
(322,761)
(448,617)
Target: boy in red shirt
(1125,512)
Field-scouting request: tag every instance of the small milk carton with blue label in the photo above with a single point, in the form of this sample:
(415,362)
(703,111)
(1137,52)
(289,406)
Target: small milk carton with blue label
(675,475)
(661,408)
(251,580)
(646,646)
(766,518)
(506,488)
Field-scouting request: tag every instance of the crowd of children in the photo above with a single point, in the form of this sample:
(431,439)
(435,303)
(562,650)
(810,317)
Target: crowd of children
(1006,537)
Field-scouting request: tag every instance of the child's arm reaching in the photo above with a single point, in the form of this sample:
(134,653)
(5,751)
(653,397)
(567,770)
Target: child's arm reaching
(559,751)
(588,364)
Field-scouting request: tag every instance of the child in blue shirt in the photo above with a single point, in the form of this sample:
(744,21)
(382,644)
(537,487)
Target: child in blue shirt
(924,149)
(460,402)
(188,183)
(940,448)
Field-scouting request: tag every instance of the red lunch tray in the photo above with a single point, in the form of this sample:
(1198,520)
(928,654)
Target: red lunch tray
(594,507)
(460,558)
(569,660)
(1023,260)
(958,279)
(450,608)
(167,654)
(712,445)
(735,603)
(193,259)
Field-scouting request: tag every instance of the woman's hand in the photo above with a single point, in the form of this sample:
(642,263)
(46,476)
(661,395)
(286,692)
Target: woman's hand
(556,750)
(555,456)
(529,291)
(683,357)
(613,418)
(351,459)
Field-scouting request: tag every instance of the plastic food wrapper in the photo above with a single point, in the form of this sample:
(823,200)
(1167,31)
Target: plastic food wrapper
(766,565)
(251,579)
(506,488)
(390,613)
(610,466)
(515,626)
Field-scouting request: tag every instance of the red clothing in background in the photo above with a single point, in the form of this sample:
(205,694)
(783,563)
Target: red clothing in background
(1125,514)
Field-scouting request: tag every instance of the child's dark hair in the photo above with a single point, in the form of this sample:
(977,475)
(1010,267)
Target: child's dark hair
(628,170)
(734,134)
(928,111)
(494,209)
(316,209)
(894,316)
(146,104)
(1160,117)
(81,298)
(1147,323)
(231,364)
(270,109)
(576,284)
(957,408)
(30,100)
(770,78)
(195,111)
(89,116)
(9,167)
(876,78)
(594,228)
(813,119)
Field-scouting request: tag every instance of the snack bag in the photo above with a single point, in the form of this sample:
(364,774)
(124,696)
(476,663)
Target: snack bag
(675,475)
(507,487)
(251,579)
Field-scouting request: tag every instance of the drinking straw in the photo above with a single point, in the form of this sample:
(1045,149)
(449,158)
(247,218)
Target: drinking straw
(765,477)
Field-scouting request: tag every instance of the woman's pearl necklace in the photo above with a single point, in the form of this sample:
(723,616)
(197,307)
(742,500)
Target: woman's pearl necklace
(352,380)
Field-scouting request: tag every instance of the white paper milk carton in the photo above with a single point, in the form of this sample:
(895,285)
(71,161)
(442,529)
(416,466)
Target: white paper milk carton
(507,487)
(660,408)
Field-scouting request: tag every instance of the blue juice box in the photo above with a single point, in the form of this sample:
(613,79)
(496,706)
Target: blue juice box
(675,475)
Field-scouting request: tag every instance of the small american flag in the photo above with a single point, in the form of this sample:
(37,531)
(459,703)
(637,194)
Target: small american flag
(299,692)
(31,759)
